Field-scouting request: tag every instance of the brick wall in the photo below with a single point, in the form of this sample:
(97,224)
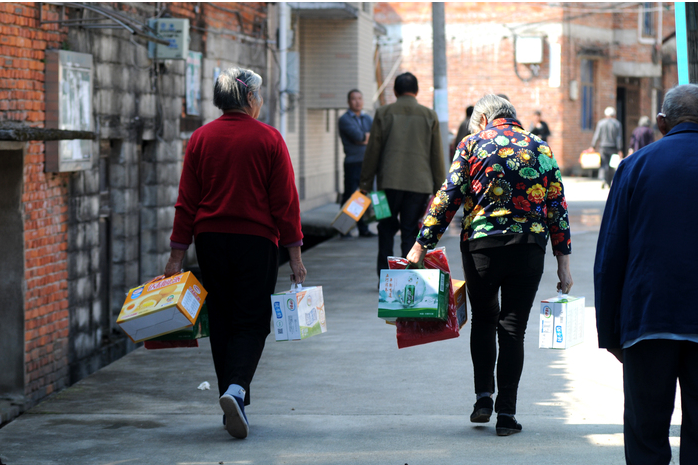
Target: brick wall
(44,197)
(480,55)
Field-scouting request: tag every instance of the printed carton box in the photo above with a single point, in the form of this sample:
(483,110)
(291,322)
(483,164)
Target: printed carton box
(351,212)
(459,295)
(381,209)
(413,294)
(161,307)
(298,314)
(561,322)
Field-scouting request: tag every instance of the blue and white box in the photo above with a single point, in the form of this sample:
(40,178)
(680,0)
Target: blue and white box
(298,314)
(561,322)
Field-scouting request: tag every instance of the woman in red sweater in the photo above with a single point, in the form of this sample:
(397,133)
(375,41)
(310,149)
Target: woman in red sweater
(238,199)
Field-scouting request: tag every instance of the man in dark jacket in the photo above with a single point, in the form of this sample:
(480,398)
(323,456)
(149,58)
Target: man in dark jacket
(645,292)
(354,129)
(405,154)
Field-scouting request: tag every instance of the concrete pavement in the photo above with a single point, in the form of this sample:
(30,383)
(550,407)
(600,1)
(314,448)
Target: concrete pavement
(348,396)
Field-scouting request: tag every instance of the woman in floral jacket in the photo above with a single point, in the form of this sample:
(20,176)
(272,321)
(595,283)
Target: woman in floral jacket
(511,191)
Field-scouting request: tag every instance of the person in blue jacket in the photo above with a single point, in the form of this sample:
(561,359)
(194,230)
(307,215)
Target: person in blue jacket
(645,291)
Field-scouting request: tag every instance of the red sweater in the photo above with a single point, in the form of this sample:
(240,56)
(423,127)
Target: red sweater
(237,178)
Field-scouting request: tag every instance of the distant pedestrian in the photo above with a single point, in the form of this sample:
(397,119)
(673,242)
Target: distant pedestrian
(238,198)
(463,129)
(513,200)
(641,136)
(540,127)
(644,285)
(609,136)
(354,130)
(406,155)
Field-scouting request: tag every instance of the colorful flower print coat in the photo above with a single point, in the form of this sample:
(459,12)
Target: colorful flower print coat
(508,183)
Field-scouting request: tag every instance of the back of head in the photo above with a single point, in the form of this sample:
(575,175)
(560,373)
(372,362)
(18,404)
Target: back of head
(406,83)
(493,107)
(610,112)
(681,104)
(233,85)
(644,121)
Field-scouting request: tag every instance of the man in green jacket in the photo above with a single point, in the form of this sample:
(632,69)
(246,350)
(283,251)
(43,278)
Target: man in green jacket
(404,153)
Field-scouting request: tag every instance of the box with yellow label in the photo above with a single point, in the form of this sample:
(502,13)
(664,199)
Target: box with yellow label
(161,307)
(351,212)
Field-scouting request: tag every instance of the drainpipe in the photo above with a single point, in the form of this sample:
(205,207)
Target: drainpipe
(283,45)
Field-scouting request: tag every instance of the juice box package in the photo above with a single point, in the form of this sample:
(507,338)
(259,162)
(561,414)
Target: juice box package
(162,306)
(459,296)
(298,314)
(413,294)
(381,209)
(351,212)
(561,322)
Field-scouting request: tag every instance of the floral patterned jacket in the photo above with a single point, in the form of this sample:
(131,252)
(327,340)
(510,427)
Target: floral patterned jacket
(508,183)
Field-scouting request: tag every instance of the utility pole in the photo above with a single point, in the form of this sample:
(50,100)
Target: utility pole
(440,81)
(283,45)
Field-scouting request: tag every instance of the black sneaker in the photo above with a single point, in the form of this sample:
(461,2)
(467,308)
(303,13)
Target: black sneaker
(482,410)
(506,425)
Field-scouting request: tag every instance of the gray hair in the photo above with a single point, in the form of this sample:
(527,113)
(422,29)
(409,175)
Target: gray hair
(233,85)
(644,121)
(493,107)
(681,103)
(609,111)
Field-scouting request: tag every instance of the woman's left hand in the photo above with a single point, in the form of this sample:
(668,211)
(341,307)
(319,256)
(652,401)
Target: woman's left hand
(174,264)
(416,255)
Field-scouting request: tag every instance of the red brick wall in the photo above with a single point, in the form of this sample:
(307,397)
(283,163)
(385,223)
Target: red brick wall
(23,42)
(473,71)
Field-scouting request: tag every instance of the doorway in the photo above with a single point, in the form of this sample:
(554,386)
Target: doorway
(12,269)
(628,107)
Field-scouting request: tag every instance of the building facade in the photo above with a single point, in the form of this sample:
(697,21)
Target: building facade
(568,60)
(80,231)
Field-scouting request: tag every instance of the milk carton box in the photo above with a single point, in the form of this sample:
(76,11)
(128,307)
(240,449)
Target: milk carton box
(561,322)
(162,306)
(298,313)
(413,294)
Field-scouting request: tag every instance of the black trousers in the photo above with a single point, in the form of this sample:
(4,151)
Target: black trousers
(409,207)
(352,176)
(239,272)
(605,171)
(516,270)
(650,371)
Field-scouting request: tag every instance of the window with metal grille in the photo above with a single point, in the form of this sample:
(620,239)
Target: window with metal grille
(587,84)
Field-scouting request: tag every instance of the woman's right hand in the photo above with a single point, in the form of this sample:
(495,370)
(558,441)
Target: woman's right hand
(174,264)
(299,271)
(564,274)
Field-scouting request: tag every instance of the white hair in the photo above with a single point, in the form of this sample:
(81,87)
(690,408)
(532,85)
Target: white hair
(492,106)
(233,85)
(681,102)
(610,112)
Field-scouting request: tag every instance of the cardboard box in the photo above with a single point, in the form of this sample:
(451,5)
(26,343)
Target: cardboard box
(381,209)
(561,322)
(459,294)
(413,294)
(351,212)
(161,307)
(298,314)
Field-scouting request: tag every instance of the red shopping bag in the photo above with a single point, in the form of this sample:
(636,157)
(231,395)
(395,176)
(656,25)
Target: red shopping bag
(413,332)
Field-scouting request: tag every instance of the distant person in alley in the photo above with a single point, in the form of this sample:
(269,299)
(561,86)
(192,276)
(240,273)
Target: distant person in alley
(510,187)
(238,199)
(641,136)
(354,130)
(609,136)
(644,284)
(404,153)
(539,127)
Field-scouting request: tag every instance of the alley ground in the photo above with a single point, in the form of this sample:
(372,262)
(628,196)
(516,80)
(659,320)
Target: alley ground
(348,396)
